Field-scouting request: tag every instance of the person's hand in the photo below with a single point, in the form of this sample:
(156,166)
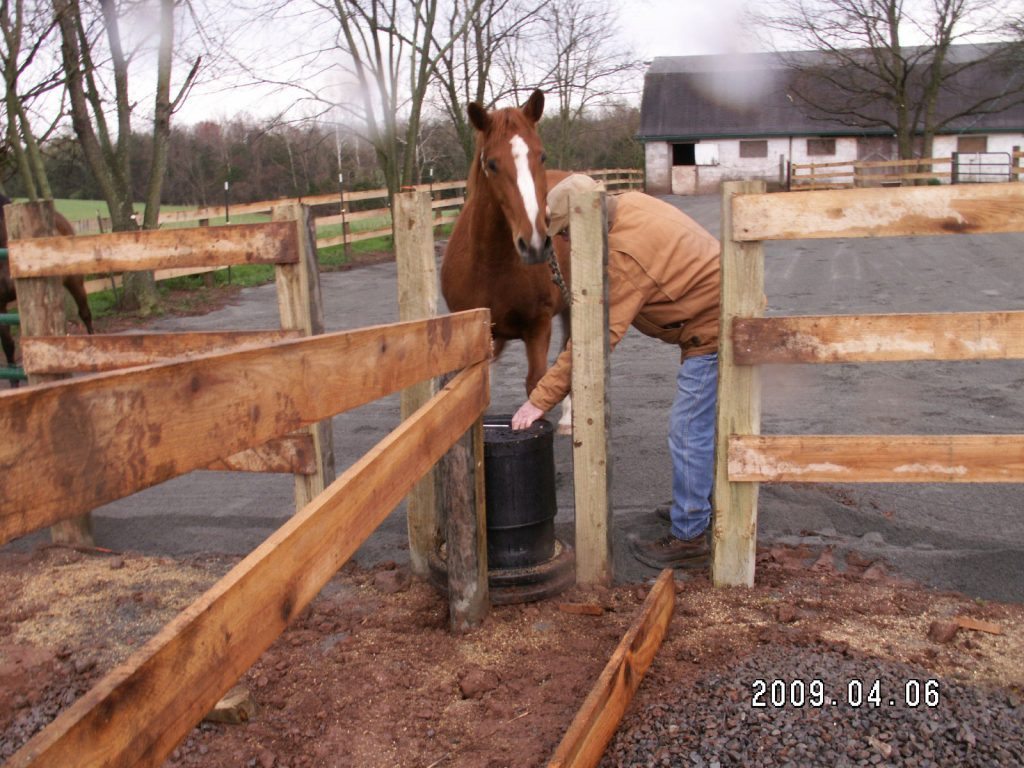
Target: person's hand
(526,415)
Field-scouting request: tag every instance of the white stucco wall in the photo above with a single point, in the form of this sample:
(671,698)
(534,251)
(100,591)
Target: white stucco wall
(663,177)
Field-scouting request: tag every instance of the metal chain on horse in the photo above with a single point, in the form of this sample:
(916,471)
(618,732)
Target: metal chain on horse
(557,279)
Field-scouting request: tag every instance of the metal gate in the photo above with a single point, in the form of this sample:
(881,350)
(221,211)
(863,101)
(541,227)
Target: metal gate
(979,167)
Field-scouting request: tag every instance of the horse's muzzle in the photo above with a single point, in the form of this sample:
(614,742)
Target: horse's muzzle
(530,254)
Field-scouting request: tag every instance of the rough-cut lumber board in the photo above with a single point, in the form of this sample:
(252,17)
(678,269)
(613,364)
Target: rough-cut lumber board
(292,453)
(594,725)
(878,338)
(110,352)
(300,304)
(877,458)
(932,210)
(102,437)
(269,243)
(978,625)
(42,313)
(588,221)
(417,299)
(739,400)
(461,480)
(139,712)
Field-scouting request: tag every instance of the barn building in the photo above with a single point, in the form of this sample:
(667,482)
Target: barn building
(708,119)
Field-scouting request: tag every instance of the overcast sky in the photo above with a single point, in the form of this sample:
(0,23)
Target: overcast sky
(651,27)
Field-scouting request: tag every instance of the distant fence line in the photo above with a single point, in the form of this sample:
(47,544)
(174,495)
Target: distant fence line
(447,200)
(958,168)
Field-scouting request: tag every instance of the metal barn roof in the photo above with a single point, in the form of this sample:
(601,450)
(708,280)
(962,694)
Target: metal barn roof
(751,95)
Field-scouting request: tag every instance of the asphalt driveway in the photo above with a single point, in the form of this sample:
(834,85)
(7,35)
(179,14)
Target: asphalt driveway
(963,537)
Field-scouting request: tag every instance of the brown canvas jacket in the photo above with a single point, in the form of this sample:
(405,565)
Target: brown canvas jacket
(663,278)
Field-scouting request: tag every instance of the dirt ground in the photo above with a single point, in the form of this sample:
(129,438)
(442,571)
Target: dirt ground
(370,675)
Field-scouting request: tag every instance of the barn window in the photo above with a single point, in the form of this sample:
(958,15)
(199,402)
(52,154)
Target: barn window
(683,154)
(821,146)
(754,148)
(972,144)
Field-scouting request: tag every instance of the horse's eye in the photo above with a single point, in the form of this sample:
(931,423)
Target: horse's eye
(492,166)
(543,157)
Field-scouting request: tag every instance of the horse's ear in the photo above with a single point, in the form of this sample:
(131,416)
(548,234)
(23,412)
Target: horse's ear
(478,116)
(534,106)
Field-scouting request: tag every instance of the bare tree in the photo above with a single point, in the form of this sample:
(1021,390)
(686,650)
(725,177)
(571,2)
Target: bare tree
(389,52)
(96,63)
(573,52)
(28,75)
(890,64)
(469,69)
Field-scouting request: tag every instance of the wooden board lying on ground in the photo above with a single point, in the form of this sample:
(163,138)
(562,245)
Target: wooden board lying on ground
(138,713)
(99,438)
(878,338)
(594,725)
(933,210)
(876,458)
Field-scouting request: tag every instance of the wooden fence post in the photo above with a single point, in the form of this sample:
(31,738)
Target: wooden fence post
(591,469)
(417,299)
(739,401)
(301,307)
(41,312)
(461,473)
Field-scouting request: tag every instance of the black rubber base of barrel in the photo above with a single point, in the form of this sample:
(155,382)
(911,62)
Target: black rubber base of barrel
(517,585)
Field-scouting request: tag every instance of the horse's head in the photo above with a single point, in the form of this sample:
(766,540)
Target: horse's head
(510,162)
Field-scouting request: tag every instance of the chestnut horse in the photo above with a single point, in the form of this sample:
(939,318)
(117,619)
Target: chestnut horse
(75,284)
(499,255)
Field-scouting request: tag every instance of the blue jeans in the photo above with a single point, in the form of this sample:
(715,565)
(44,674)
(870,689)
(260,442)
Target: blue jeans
(691,443)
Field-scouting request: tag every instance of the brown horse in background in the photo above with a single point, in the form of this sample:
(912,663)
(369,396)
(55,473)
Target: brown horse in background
(75,284)
(499,252)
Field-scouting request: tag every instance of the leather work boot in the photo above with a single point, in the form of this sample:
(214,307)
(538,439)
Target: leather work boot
(670,552)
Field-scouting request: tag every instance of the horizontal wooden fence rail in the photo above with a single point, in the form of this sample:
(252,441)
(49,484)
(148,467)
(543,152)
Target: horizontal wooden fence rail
(878,338)
(876,458)
(968,209)
(139,712)
(265,243)
(110,352)
(127,430)
(841,174)
(746,457)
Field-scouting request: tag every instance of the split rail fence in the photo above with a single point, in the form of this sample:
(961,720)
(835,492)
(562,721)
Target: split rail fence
(38,260)
(192,401)
(959,168)
(745,457)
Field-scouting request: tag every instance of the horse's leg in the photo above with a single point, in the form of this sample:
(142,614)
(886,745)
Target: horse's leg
(537,339)
(75,285)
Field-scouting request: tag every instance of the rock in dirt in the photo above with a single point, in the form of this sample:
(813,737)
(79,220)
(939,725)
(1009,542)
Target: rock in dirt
(942,631)
(391,582)
(476,681)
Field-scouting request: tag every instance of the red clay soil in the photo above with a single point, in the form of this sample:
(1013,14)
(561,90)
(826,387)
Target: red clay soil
(369,675)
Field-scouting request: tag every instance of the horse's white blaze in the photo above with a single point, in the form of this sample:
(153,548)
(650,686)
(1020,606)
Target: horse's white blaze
(524,180)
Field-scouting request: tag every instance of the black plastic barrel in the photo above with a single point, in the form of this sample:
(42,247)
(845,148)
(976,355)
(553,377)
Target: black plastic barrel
(519,479)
